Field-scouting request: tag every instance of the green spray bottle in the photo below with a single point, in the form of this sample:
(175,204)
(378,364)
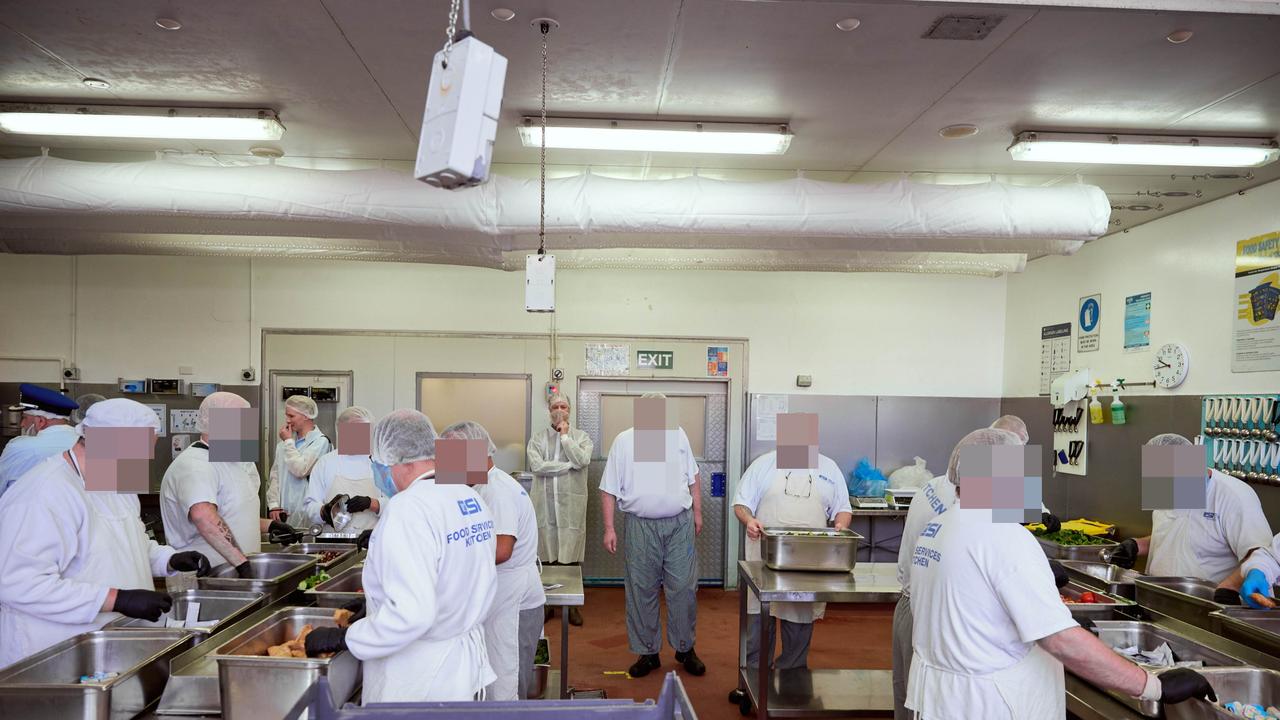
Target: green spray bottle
(1117,407)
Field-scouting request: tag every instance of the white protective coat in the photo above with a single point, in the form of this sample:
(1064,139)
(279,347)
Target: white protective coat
(294,460)
(64,549)
(1210,543)
(429,583)
(559,464)
(232,486)
(349,475)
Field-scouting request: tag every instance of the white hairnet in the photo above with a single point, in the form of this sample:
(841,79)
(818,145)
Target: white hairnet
(355,413)
(85,402)
(403,436)
(654,395)
(303,404)
(985,436)
(470,430)
(1012,424)
(120,412)
(217,400)
(558,397)
(1169,439)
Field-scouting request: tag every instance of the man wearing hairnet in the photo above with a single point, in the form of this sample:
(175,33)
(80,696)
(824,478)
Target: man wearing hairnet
(47,418)
(515,621)
(428,580)
(652,476)
(75,559)
(346,471)
(301,446)
(1208,543)
(208,501)
(558,458)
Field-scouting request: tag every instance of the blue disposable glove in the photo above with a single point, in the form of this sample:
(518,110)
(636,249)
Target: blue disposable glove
(1254,582)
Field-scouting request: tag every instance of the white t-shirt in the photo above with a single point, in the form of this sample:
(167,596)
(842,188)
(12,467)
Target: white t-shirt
(829,482)
(651,489)
(1211,543)
(233,486)
(513,515)
(937,495)
(983,593)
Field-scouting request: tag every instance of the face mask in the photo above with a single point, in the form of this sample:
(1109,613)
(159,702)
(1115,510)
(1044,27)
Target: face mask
(30,430)
(382,478)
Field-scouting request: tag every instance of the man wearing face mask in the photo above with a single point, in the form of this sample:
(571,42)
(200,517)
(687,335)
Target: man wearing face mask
(46,431)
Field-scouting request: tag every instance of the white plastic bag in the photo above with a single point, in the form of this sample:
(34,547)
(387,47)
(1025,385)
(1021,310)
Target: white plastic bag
(910,477)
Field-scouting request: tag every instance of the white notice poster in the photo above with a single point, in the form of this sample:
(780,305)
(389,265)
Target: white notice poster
(767,408)
(1055,354)
(1255,332)
(608,359)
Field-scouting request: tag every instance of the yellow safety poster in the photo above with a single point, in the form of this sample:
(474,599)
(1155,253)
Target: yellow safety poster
(1255,337)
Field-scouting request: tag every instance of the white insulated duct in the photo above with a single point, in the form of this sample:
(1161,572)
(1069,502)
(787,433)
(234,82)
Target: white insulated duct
(52,205)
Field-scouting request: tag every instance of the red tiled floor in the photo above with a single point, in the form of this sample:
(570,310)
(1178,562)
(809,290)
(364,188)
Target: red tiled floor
(851,636)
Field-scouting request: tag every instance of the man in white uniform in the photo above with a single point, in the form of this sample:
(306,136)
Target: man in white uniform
(991,632)
(45,432)
(212,507)
(651,475)
(515,621)
(301,445)
(428,580)
(1208,543)
(346,471)
(77,559)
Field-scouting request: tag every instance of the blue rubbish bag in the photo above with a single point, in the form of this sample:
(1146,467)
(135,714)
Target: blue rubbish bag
(866,480)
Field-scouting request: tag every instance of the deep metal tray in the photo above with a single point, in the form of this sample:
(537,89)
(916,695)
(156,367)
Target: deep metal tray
(346,552)
(1090,553)
(46,685)
(1187,599)
(1107,578)
(1251,685)
(1258,629)
(254,685)
(339,589)
(1148,636)
(275,574)
(1106,608)
(225,606)
(810,549)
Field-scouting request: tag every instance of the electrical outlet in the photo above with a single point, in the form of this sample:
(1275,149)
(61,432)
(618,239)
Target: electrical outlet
(248,374)
(71,372)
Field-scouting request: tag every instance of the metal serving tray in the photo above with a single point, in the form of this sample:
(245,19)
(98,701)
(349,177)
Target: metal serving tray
(1258,629)
(254,685)
(1251,685)
(1106,608)
(1090,553)
(275,574)
(47,685)
(1187,599)
(225,606)
(1148,636)
(346,552)
(810,549)
(339,589)
(1107,578)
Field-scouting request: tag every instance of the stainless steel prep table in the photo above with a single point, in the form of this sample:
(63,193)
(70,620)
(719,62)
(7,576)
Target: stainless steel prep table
(882,528)
(804,692)
(569,577)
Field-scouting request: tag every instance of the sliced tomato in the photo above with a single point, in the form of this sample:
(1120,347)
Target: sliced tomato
(1088,597)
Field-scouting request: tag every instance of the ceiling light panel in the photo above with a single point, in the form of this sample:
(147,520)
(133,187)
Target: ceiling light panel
(115,121)
(659,136)
(1106,149)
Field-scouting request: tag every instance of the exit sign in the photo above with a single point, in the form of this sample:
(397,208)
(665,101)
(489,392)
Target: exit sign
(656,359)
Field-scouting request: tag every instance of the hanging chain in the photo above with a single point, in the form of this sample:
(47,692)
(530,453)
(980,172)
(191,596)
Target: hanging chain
(542,154)
(450,32)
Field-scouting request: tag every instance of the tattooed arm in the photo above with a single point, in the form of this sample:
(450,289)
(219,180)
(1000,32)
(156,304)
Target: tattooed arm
(215,532)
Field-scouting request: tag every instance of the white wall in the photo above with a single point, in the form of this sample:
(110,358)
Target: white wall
(1185,260)
(855,333)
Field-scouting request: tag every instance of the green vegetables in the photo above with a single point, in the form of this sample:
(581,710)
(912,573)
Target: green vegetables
(1071,537)
(313,581)
(541,656)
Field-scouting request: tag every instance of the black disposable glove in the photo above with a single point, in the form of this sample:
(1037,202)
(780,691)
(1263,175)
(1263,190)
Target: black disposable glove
(1226,596)
(326,640)
(359,503)
(1051,522)
(356,607)
(282,533)
(1060,577)
(362,542)
(142,604)
(190,561)
(1126,554)
(1176,685)
(326,517)
(244,570)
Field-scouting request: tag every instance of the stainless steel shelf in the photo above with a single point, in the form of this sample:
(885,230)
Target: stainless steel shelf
(825,693)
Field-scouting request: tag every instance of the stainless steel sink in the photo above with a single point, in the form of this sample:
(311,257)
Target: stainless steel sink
(275,574)
(47,684)
(1258,629)
(223,606)
(1187,599)
(1250,685)
(339,589)
(1107,578)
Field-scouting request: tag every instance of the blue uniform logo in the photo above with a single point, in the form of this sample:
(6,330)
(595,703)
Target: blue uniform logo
(1210,515)
(931,530)
(470,506)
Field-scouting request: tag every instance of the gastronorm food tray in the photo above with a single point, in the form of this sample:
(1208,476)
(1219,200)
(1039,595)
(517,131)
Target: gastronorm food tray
(810,549)
(275,574)
(224,606)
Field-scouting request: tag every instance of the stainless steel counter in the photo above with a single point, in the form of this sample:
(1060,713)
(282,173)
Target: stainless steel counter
(868,583)
(569,594)
(888,512)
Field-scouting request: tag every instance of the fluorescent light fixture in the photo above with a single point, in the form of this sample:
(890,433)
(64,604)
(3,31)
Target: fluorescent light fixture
(121,121)
(1108,149)
(659,136)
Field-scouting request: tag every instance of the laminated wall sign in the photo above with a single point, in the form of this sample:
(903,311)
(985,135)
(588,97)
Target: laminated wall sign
(1137,323)
(1055,354)
(1255,331)
(608,359)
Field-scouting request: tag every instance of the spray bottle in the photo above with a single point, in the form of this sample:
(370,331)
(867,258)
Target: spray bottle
(1095,407)
(1117,407)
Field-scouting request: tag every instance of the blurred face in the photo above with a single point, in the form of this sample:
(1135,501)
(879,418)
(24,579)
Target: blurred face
(296,420)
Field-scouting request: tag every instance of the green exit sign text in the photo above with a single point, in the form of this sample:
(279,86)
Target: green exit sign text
(656,359)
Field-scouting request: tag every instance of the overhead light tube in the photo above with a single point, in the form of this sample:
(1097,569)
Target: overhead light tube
(118,121)
(659,136)
(1115,149)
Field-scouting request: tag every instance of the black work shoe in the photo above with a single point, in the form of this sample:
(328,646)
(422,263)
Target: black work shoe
(692,664)
(575,617)
(643,665)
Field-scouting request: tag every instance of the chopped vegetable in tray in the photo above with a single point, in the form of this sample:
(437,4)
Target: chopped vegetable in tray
(313,581)
(1072,537)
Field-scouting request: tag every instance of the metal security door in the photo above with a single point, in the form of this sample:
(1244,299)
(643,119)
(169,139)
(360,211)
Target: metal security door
(331,390)
(601,568)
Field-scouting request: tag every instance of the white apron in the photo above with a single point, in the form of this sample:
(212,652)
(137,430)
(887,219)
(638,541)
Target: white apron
(119,557)
(1032,689)
(502,630)
(789,502)
(351,487)
(452,670)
